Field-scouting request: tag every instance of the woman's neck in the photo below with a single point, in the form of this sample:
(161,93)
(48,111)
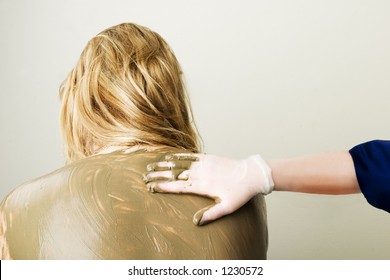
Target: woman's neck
(127,149)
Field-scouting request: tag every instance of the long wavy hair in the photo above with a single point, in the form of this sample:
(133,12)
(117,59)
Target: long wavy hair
(126,89)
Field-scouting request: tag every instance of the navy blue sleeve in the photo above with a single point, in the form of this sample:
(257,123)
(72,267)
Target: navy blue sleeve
(372,166)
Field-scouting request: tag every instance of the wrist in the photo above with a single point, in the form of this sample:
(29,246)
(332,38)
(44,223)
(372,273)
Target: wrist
(262,174)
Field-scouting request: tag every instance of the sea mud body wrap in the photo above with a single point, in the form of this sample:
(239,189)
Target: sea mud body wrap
(100,208)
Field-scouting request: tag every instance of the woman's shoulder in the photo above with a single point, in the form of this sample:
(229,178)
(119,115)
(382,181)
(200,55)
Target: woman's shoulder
(118,165)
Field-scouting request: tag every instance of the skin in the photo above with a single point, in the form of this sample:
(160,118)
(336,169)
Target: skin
(328,173)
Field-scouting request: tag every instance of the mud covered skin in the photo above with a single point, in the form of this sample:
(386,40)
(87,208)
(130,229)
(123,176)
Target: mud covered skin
(100,208)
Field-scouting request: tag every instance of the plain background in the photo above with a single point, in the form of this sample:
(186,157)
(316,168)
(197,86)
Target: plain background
(279,78)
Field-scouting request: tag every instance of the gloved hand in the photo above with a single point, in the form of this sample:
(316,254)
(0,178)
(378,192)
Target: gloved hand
(231,183)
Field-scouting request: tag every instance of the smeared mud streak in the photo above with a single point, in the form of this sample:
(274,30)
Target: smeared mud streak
(99,208)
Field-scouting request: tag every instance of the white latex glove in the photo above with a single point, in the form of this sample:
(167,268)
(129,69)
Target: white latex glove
(231,183)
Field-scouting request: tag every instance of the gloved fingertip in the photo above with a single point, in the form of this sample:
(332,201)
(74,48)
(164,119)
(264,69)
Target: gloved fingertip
(149,186)
(200,217)
(153,187)
(150,167)
(197,219)
(145,178)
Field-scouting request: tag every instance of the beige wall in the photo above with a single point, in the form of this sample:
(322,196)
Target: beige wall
(279,78)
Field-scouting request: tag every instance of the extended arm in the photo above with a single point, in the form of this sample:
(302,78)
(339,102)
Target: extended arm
(328,173)
(231,183)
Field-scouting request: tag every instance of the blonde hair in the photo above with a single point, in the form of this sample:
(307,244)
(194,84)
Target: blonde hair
(126,90)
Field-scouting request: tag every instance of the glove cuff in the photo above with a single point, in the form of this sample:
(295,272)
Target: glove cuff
(267,173)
